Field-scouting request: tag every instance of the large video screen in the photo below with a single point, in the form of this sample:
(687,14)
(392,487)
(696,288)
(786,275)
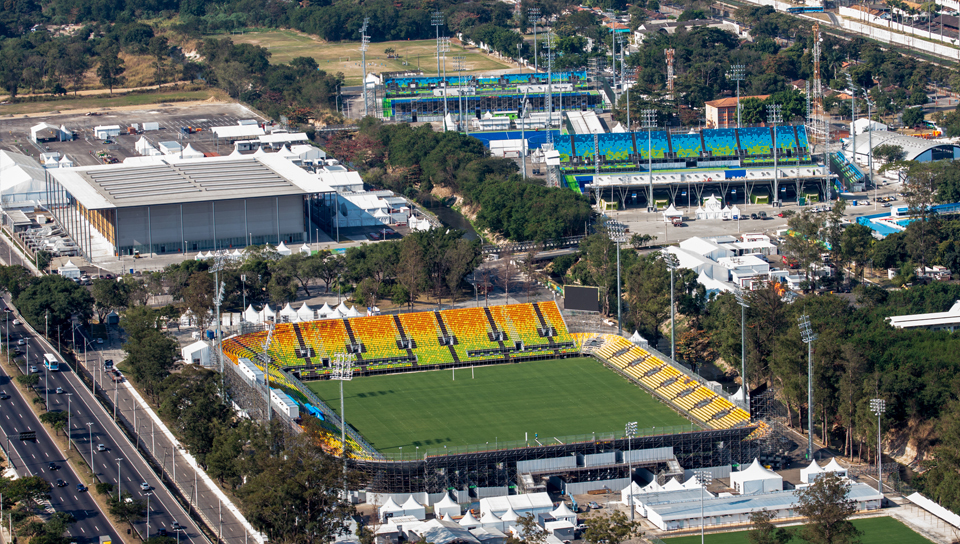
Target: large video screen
(586,299)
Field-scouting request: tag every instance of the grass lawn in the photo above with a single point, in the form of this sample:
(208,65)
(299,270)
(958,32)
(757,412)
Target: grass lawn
(344,57)
(118,99)
(554,398)
(875,531)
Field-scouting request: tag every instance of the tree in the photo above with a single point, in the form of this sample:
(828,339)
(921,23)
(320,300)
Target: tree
(53,300)
(150,353)
(611,529)
(765,532)
(159,49)
(108,295)
(640,240)
(648,293)
(28,492)
(198,298)
(528,531)
(855,246)
(803,243)
(43,259)
(28,380)
(110,68)
(827,509)
(889,152)
(126,509)
(57,420)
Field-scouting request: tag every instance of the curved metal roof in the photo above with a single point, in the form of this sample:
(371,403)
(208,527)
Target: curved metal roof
(912,146)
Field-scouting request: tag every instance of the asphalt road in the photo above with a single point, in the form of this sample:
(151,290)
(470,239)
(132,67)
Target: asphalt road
(32,458)
(84,409)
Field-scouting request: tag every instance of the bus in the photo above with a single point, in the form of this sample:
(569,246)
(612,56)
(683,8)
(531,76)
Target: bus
(805,9)
(50,361)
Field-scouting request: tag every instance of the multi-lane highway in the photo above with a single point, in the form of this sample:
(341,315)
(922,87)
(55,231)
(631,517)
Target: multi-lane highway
(34,457)
(90,426)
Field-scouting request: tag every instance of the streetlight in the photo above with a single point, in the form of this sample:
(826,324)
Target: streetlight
(649,118)
(742,301)
(808,336)
(737,73)
(704,478)
(148,514)
(879,406)
(364,44)
(69,398)
(672,264)
(118,477)
(90,427)
(524,115)
(616,230)
(343,372)
(630,430)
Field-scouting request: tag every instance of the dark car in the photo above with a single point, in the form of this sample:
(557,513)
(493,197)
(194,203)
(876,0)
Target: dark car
(161,532)
(754,216)
(4,395)
(52,466)
(762,215)
(61,483)
(81,488)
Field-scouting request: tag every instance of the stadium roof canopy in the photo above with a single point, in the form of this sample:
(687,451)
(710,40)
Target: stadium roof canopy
(914,148)
(179,181)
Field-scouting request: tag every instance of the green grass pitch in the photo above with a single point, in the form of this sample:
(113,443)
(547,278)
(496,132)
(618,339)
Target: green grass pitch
(875,531)
(554,398)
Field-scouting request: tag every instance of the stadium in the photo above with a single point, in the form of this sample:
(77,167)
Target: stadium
(513,376)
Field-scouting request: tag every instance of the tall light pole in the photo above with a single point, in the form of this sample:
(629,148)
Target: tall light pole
(737,73)
(630,430)
(436,19)
(343,372)
(364,45)
(118,477)
(704,478)
(524,115)
(742,301)
(444,49)
(870,106)
(853,116)
(808,336)
(219,262)
(148,513)
(616,230)
(69,398)
(534,14)
(90,428)
(460,98)
(879,406)
(551,45)
(774,118)
(672,264)
(649,121)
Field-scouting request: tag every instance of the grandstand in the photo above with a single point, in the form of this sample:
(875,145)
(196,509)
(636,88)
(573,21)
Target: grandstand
(686,145)
(849,176)
(403,85)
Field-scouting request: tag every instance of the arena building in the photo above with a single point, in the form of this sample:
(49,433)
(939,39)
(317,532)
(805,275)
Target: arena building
(184,205)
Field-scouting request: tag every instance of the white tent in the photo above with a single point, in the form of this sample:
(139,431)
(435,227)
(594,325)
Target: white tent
(237,255)
(342,308)
(69,270)
(692,483)
(197,353)
(336,314)
(190,153)
(469,522)
(725,213)
(491,520)
(634,489)
(390,509)
(811,473)
(283,249)
(672,485)
(259,152)
(834,466)
(324,311)
(711,209)
(65,162)
(250,315)
(638,340)
(267,314)
(353,312)
(652,487)
(446,517)
(756,479)
(509,517)
(413,508)
(305,249)
(563,512)
(735,212)
(670,213)
(446,506)
(21,177)
(305,313)
(236,151)
(288,314)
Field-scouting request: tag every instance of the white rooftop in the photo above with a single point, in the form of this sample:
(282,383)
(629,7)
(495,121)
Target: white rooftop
(238,131)
(950,317)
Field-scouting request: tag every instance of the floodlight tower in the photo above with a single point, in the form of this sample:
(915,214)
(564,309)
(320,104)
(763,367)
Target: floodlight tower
(870,106)
(737,73)
(343,372)
(630,430)
(524,115)
(444,48)
(649,121)
(364,45)
(742,301)
(704,478)
(774,118)
(436,19)
(550,44)
(806,332)
(879,406)
(616,231)
(534,14)
(460,98)
(672,264)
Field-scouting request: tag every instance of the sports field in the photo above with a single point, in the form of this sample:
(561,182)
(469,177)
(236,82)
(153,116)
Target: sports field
(553,398)
(883,530)
(285,46)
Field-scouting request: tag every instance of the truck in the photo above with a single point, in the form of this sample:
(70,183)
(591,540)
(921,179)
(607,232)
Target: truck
(106,540)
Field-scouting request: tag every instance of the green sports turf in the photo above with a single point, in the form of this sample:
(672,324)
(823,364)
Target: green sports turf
(554,398)
(883,530)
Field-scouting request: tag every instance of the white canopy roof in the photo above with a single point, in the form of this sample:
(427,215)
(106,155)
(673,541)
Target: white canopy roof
(268,311)
(469,521)
(237,254)
(353,312)
(190,153)
(638,340)
(305,249)
(445,501)
(564,511)
(446,517)
(489,517)
(305,313)
(509,515)
(671,211)
(813,469)
(672,485)
(834,466)
(390,506)
(259,152)
(342,308)
(411,504)
(325,310)
(236,151)
(289,312)
(69,266)
(283,249)
(251,315)
(20,175)
(652,487)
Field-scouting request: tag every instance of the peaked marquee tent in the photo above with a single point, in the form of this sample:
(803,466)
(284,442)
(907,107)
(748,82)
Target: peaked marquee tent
(756,479)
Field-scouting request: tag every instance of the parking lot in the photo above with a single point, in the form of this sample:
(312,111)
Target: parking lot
(84,149)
